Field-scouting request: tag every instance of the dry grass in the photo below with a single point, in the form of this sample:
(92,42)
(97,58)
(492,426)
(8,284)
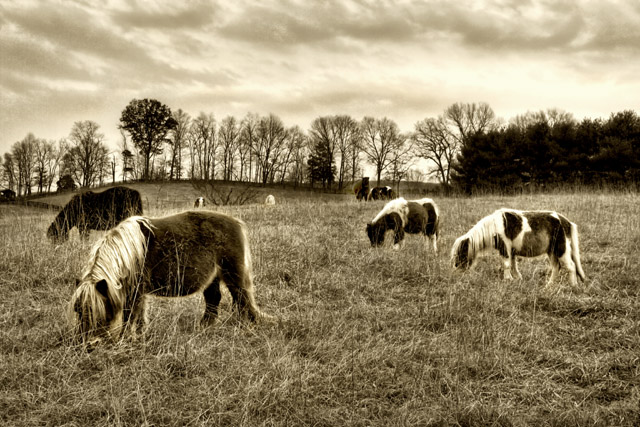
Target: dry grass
(365,337)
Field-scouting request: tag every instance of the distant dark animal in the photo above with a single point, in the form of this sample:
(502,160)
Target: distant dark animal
(361,189)
(7,195)
(270,200)
(95,211)
(413,216)
(171,256)
(381,193)
(522,233)
(199,203)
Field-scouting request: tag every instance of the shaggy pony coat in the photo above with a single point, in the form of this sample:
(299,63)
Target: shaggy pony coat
(171,256)
(95,211)
(402,216)
(522,233)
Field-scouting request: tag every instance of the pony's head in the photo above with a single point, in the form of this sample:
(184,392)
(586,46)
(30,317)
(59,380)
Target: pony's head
(460,255)
(376,231)
(95,314)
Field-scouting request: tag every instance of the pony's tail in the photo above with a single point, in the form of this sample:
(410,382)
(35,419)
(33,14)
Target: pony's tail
(575,251)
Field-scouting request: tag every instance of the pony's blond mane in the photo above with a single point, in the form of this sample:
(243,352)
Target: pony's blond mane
(117,258)
(481,235)
(398,206)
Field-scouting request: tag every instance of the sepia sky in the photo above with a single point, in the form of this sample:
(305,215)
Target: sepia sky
(68,61)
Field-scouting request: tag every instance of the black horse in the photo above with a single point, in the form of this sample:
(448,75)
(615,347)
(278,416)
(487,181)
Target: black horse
(95,211)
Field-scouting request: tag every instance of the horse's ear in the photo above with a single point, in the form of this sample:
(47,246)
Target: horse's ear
(103,288)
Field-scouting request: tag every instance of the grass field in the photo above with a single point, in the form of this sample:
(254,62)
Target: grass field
(364,337)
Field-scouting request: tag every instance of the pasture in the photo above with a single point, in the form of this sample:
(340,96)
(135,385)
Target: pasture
(364,336)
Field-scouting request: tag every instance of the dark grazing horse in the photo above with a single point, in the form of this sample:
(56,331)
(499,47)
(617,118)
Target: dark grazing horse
(95,211)
(171,256)
(413,216)
(522,233)
(361,189)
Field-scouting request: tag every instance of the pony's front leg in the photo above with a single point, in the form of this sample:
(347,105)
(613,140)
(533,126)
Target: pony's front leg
(434,243)
(398,239)
(514,268)
(212,298)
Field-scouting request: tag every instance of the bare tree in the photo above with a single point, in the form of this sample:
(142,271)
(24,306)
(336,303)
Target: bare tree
(380,137)
(297,144)
(347,135)
(434,142)
(23,153)
(246,142)
(9,171)
(87,155)
(203,146)
(229,139)
(439,140)
(269,145)
(177,142)
(401,160)
(468,119)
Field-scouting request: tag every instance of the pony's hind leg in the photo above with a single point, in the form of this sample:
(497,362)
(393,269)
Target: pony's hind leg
(555,268)
(212,298)
(568,263)
(240,287)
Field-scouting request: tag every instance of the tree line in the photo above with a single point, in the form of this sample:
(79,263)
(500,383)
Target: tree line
(550,148)
(465,147)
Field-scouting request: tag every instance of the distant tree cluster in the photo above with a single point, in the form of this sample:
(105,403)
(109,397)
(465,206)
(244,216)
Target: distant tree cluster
(548,148)
(466,146)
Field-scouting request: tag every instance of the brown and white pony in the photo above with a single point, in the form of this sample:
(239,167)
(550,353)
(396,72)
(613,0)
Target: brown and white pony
(170,256)
(381,193)
(199,203)
(522,233)
(402,216)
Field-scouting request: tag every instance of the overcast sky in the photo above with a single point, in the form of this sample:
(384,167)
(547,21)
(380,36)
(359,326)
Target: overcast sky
(69,61)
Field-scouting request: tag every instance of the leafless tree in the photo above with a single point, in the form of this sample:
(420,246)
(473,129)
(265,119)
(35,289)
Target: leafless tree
(229,140)
(87,154)
(203,146)
(297,145)
(380,137)
(177,142)
(269,145)
(23,153)
(322,136)
(347,135)
(245,146)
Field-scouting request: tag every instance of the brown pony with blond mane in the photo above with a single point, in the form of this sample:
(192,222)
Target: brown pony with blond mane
(171,256)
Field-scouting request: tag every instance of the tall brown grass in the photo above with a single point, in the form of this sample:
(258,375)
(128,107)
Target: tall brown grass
(364,337)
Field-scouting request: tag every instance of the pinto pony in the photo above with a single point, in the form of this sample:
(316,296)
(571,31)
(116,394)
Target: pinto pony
(381,193)
(170,256)
(522,233)
(95,211)
(199,203)
(413,216)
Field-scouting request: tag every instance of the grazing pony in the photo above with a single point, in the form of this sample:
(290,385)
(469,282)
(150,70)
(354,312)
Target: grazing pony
(270,200)
(381,193)
(522,233)
(95,211)
(199,203)
(171,256)
(413,216)
(361,189)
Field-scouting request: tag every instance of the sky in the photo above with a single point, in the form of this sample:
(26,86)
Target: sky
(67,61)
